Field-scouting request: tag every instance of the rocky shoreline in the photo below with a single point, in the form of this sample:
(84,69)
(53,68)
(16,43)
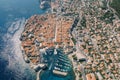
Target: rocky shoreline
(79,28)
(42,32)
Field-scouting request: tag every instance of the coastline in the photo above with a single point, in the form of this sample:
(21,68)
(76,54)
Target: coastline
(16,66)
(57,18)
(68,28)
(87,31)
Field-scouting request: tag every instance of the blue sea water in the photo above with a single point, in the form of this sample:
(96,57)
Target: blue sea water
(12,9)
(59,60)
(13,15)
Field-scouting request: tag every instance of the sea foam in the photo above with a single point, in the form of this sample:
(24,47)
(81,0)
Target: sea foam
(12,52)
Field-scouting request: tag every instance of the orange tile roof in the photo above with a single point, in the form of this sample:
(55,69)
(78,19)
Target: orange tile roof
(90,76)
(44,28)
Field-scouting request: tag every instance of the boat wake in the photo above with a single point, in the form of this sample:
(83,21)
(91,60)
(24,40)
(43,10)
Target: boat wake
(15,67)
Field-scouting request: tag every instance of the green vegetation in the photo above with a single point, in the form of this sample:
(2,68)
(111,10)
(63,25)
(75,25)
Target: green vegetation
(116,5)
(83,22)
(117,29)
(104,6)
(74,57)
(74,40)
(84,46)
(108,17)
(99,26)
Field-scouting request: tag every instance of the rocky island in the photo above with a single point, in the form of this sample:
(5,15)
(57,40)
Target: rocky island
(78,37)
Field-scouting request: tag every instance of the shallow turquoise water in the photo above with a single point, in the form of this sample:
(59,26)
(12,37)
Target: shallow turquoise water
(47,75)
(11,12)
(60,59)
(14,12)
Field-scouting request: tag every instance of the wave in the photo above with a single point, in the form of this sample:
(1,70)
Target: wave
(15,68)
